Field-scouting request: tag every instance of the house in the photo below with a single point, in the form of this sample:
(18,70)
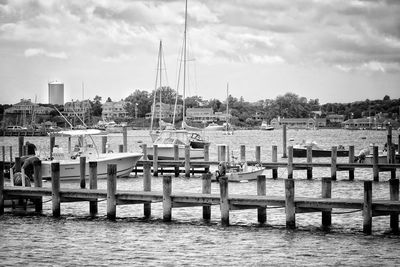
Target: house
(163,111)
(112,110)
(76,111)
(297,123)
(24,106)
(200,114)
(334,119)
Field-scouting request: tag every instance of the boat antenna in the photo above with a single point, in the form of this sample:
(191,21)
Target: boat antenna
(155,88)
(76,114)
(184,65)
(63,117)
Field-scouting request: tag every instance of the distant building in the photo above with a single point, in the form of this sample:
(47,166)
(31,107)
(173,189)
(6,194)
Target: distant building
(200,114)
(298,123)
(163,111)
(24,106)
(112,110)
(56,93)
(75,109)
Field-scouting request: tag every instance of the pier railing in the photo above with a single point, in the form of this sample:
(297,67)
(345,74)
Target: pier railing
(292,203)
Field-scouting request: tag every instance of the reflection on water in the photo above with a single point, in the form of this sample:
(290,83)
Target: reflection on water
(76,239)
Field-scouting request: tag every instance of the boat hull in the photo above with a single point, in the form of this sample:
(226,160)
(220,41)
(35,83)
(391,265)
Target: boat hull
(166,152)
(70,169)
(317,153)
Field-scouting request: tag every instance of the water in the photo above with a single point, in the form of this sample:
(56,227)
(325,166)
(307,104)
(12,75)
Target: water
(76,239)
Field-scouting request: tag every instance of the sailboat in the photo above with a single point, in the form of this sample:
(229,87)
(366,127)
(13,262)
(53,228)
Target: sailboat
(226,126)
(167,139)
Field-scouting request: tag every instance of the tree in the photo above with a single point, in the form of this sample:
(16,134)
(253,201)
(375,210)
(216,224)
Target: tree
(96,106)
(108,99)
(140,102)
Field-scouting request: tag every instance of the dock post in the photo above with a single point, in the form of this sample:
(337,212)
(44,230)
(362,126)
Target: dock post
(69,145)
(290,162)
(37,178)
(334,163)
(261,191)
(351,160)
(389,144)
(52,144)
(111,190)
(206,189)
(125,138)
(11,154)
(1,187)
(284,141)
(82,162)
(104,144)
(375,161)
(144,151)
(227,153)
(121,148)
(176,158)
(309,160)
(224,201)
(187,160)
(394,195)
(155,160)
(55,188)
(147,187)
(290,207)
(326,193)
(393,161)
(367,207)
(167,201)
(275,159)
(17,165)
(258,154)
(20,146)
(223,153)
(242,153)
(93,208)
(207,156)
(3,150)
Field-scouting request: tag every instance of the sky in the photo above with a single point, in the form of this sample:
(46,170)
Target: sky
(337,51)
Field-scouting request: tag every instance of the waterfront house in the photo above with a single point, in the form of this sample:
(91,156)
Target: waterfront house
(112,110)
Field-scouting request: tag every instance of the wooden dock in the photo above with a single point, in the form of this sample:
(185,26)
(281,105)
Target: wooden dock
(228,202)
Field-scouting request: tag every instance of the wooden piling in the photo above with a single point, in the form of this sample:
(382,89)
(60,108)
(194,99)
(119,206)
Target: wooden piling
(367,207)
(104,144)
(18,164)
(334,163)
(23,182)
(290,208)
(82,162)
(242,153)
(284,141)
(375,160)
(20,146)
(1,187)
(167,201)
(37,179)
(144,151)
(275,159)
(147,187)
(290,162)
(394,195)
(11,154)
(187,160)
(69,145)
(207,156)
(389,144)
(223,153)
(55,187)
(93,208)
(258,153)
(326,193)
(224,201)
(111,190)
(206,189)
(176,157)
(125,138)
(3,150)
(120,148)
(351,160)
(155,160)
(261,191)
(52,144)
(309,160)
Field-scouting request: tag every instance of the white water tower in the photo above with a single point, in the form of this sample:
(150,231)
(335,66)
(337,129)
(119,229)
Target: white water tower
(56,93)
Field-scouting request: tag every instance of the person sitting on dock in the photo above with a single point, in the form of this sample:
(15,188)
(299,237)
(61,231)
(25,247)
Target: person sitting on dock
(31,148)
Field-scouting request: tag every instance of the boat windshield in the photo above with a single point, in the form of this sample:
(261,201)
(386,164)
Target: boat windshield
(173,137)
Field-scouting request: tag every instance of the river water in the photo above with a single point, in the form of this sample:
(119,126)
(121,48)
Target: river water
(77,239)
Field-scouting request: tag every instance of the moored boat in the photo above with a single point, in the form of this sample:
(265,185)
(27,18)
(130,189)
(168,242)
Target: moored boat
(300,151)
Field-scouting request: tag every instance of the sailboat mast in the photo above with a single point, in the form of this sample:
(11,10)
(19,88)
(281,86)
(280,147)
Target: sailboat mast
(159,114)
(155,89)
(184,65)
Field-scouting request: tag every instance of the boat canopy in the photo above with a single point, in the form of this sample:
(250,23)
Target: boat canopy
(79,132)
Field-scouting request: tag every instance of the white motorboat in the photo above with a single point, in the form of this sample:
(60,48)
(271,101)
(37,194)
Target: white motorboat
(266,127)
(165,145)
(70,161)
(243,173)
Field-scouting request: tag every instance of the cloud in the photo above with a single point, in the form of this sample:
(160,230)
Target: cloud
(31,52)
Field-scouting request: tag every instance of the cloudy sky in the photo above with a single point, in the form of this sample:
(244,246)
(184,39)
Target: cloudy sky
(333,50)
